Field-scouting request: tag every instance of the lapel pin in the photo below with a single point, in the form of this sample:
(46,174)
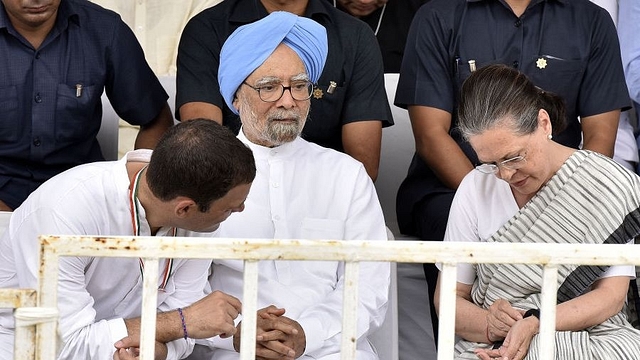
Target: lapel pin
(541,63)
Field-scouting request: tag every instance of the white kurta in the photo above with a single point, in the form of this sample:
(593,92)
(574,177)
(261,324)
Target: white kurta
(482,204)
(304,191)
(95,294)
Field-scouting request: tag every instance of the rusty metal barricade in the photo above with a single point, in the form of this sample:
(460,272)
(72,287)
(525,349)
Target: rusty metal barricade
(21,299)
(151,249)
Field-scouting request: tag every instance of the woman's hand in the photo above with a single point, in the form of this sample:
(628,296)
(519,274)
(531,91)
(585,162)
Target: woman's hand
(516,343)
(501,317)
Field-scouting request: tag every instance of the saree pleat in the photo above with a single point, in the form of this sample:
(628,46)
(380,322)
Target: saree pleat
(590,200)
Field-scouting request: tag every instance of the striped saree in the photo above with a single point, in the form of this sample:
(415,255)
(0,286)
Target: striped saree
(590,200)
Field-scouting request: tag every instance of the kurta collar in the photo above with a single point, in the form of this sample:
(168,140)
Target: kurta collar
(260,152)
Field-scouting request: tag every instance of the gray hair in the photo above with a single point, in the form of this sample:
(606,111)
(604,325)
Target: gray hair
(497,94)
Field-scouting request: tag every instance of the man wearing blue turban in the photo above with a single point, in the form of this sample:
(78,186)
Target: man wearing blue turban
(304,36)
(301,191)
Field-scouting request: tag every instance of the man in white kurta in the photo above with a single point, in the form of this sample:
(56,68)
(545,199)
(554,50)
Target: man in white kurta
(304,191)
(97,294)
(301,191)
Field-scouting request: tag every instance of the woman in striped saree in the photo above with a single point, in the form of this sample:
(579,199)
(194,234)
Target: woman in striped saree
(530,189)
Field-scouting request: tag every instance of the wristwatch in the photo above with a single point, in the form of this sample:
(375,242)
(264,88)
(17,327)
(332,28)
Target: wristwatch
(532,312)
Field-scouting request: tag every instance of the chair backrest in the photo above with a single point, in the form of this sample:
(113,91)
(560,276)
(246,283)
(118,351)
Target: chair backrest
(108,134)
(397,150)
(109,128)
(169,84)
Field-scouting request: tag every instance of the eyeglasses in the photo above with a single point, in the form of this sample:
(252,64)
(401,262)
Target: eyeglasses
(300,90)
(514,163)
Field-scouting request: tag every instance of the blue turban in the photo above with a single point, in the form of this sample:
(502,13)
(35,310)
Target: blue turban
(250,45)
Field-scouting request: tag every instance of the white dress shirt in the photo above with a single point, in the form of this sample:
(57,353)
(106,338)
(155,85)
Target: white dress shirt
(304,191)
(95,294)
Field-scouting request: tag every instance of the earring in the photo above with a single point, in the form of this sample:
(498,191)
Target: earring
(549,136)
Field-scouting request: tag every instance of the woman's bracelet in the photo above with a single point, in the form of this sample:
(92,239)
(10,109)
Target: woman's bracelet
(184,324)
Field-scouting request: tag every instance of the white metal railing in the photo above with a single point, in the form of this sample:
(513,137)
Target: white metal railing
(25,333)
(151,249)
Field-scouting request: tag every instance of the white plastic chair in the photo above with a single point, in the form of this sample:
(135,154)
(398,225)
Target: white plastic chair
(108,134)
(397,149)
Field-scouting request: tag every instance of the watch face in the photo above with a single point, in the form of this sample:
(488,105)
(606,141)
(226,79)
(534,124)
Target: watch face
(532,312)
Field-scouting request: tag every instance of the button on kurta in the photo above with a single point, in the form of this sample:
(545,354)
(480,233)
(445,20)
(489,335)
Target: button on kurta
(37,141)
(37,98)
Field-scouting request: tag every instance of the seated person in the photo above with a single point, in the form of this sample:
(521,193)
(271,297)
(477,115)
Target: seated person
(389,20)
(349,104)
(157,25)
(58,59)
(531,189)
(198,175)
(628,27)
(626,149)
(301,191)
(450,38)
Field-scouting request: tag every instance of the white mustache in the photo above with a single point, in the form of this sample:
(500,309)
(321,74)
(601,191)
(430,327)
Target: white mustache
(280,115)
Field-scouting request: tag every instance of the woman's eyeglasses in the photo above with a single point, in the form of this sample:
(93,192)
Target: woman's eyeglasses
(514,163)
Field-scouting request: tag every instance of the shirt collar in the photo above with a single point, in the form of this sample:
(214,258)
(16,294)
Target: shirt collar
(247,11)
(4,19)
(67,12)
(533,2)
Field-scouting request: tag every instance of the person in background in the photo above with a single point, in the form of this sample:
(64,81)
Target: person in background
(626,148)
(389,20)
(157,24)
(628,27)
(301,191)
(196,177)
(628,30)
(521,193)
(449,40)
(349,102)
(59,57)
